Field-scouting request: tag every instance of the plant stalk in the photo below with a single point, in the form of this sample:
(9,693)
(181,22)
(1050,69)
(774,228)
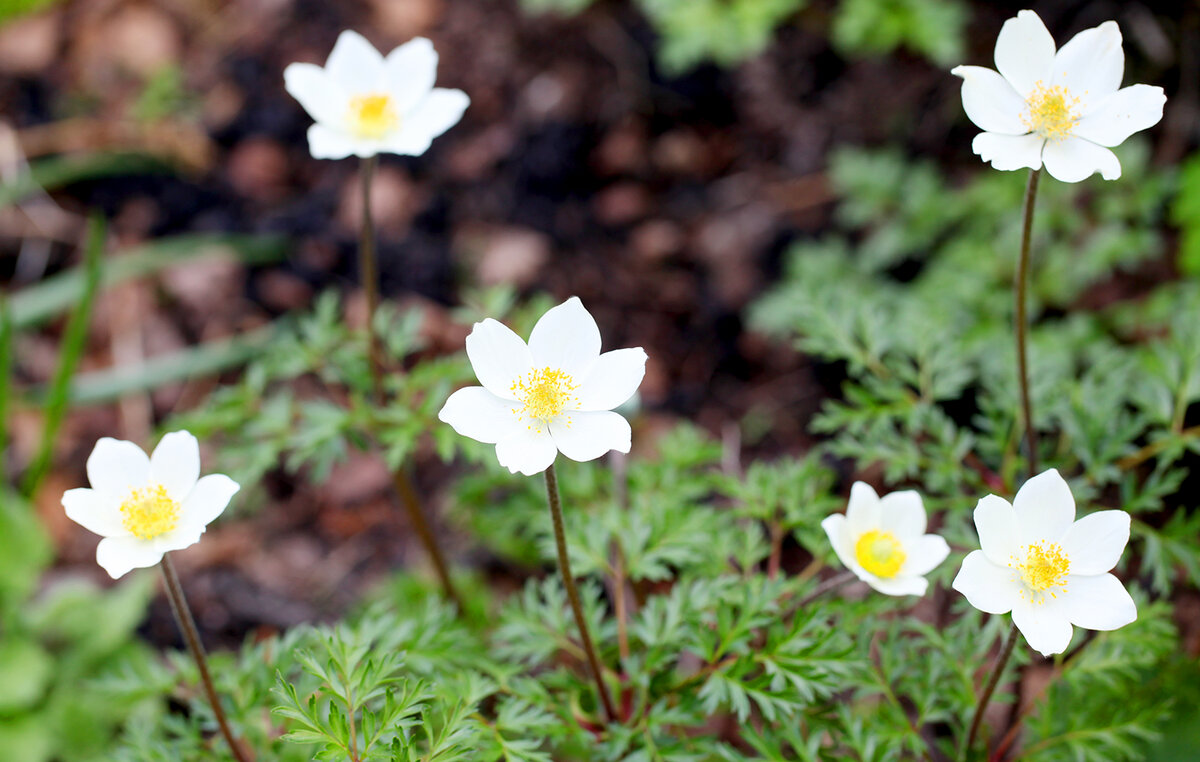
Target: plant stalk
(564,566)
(187,626)
(1022,289)
(408,496)
(990,688)
(369,272)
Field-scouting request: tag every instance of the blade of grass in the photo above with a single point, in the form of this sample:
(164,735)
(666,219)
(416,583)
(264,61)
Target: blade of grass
(6,339)
(48,174)
(74,338)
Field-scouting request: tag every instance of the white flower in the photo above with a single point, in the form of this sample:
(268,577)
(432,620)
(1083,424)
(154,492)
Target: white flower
(365,104)
(554,395)
(1045,567)
(883,540)
(1062,108)
(144,507)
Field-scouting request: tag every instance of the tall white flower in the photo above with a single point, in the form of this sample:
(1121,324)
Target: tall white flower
(883,540)
(1048,569)
(554,395)
(1064,108)
(365,104)
(146,506)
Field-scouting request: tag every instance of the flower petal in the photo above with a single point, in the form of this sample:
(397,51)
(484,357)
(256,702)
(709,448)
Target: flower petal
(1045,508)
(321,96)
(1113,119)
(530,451)
(498,356)
(94,512)
(411,70)
(208,500)
(1025,52)
(327,143)
(116,467)
(1098,603)
(924,555)
(1091,64)
(898,585)
(1074,159)
(355,64)
(999,534)
(836,531)
(119,555)
(1009,152)
(567,338)
(863,511)
(175,464)
(477,413)
(1044,625)
(986,586)
(990,101)
(586,435)
(902,514)
(1095,543)
(614,378)
(438,112)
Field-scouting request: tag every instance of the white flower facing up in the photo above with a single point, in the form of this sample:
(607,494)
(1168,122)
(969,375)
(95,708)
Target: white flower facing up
(146,506)
(365,104)
(883,540)
(555,395)
(1064,108)
(1048,569)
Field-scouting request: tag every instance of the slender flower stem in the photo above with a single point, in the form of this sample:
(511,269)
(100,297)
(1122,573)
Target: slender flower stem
(408,496)
(564,566)
(990,688)
(828,586)
(187,626)
(1022,321)
(369,272)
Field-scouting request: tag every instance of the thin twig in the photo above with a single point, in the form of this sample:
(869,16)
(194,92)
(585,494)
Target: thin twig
(1022,320)
(989,689)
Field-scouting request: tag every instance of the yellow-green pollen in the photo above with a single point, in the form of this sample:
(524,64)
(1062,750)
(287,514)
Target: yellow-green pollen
(372,116)
(880,553)
(544,394)
(149,512)
(1052,111)
(1043,568)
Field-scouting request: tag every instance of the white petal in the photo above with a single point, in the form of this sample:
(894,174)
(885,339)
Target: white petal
(898,585)
(614,378)
(355,64)
(1094,543)
(498,356)
(208,500)
(1128,110)
(1045,508)
(1044,625)
(94,512)
(411,70)
(437,113)
(1091,65)
(902,514)
(924,555)
(530,451)
(477,413)
(586,435)
(1025,52)
(990,101)
(835,530)
(1009,152)
(327,143)
(999,534)
(566,337)
(1098,603)
(116,467)
(175,464)
(1075,159)
(321,96)
(183,536)
(986,586)
(863,510)
(119,555)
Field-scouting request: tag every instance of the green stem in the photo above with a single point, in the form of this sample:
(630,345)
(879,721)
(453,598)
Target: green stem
(1022,322)
(408,496)
(990,688)
(369,272)
(564,566)
(187,626)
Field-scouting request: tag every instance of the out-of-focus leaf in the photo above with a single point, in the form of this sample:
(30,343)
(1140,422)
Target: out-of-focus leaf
(55,172)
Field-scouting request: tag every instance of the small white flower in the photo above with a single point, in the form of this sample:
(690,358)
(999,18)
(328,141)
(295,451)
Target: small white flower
(883,540)
(1048,569)
(365,104)
(144,507)
(1062,108)
(554,395)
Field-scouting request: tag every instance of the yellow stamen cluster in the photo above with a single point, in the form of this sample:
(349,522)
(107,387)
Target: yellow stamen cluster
(544,393)
(149,512)
(372,116)
(1052,111)
(1043,568)
(880,553)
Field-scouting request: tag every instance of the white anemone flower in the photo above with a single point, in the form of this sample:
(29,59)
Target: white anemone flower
(365,104)
(555,395)
(146,506)
(1048,569)
(883,540)
(1064,108)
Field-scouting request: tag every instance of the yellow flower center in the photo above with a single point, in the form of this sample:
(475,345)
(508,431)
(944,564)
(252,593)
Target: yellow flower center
(372,116)
(1043,569)
(1052,112)
(544,393)
(880,553)
(149,512)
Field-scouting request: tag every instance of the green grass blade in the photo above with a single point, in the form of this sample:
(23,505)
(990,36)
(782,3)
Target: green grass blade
(56,172)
